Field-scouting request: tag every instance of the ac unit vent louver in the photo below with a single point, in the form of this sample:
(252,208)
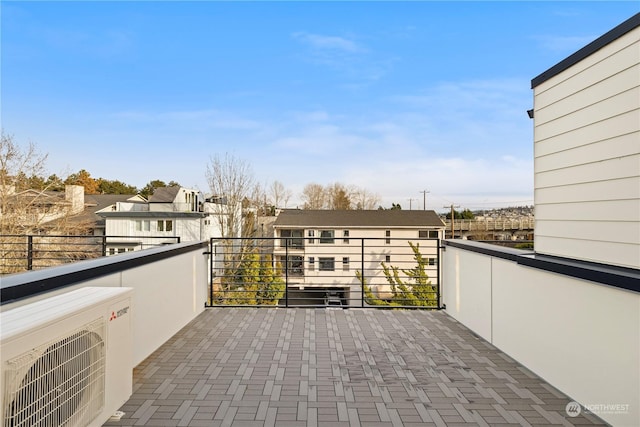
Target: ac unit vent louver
(60,382)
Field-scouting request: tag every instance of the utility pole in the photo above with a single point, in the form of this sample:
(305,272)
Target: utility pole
(452,218)
(410,200)
(424,199)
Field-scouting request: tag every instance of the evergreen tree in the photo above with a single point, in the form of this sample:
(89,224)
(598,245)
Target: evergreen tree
(413,290)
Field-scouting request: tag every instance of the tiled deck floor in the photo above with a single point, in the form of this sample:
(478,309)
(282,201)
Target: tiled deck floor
(333,367)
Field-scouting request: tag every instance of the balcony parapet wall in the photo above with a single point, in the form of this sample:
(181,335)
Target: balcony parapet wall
(169,288)
(574,323)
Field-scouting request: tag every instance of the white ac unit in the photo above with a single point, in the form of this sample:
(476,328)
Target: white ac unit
(66,360)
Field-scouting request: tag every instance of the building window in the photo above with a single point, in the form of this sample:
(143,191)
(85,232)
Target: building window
(388,237)
(327,264)
(345,263)
(291,238)
(345,237)
(311,235)
(428,234)
(165,225)
(387,258)
(112,251)
(312,263)
(143,225)
(295,265)
(431,261)
(326,236)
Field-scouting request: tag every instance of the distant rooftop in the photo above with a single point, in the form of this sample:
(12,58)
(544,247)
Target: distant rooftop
(357,218)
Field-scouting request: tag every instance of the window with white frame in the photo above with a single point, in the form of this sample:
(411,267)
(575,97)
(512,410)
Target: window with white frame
(327,263)
(387,234)
(165,225)
(327,236)
(311,235)
(387,258)
(143,225)
(312,263)
(345,237)
(292,238)
(345,263)
(428,234)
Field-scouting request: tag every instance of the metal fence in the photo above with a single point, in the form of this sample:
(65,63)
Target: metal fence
(336,272)
(20,253)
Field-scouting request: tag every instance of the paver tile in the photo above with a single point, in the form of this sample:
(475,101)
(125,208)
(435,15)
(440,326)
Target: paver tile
(315,367)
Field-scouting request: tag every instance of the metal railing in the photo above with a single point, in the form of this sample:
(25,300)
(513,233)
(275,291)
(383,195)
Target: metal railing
(343,273)
(20,253)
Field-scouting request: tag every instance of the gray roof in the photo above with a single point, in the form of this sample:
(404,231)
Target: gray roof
(164,194)
(95,202)
(357,218)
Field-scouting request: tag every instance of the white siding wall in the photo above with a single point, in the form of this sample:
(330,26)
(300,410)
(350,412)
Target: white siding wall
(587,157)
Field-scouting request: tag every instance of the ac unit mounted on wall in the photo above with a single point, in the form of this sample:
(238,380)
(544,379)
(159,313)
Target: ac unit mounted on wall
(66,360)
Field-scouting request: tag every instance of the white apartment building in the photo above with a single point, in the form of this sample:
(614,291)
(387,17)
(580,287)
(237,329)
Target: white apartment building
(325,248)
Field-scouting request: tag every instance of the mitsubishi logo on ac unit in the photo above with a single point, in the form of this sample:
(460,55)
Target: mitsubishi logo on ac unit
(119,313)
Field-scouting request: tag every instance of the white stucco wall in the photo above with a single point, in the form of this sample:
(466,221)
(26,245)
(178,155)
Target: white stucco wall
(167,294)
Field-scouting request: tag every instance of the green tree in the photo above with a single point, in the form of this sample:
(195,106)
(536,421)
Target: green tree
(465,214)
(393,207)
(272,284)
(151,186)
(255,282)
(106,186)
(54,183)
(414,289)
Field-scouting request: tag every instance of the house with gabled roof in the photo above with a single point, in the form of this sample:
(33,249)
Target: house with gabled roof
(171,215)
(318,246)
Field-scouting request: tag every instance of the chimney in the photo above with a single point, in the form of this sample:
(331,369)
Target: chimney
(74,194)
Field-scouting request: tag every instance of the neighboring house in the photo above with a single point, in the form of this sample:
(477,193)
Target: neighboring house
(320,245)
(39,211)
(172,214)
(93,223)
(587,151)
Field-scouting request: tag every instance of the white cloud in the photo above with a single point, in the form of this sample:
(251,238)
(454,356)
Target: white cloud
(323,42)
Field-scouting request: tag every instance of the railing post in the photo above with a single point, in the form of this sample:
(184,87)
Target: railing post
(29,252)
(438,273)
(212,257)
(362,269)
(286,272)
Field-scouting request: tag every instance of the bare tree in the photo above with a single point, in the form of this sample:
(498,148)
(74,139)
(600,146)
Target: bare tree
(313,196)
(279,195)
(338,197)
(18,165)
(28,207)
(231,181)
(362,199)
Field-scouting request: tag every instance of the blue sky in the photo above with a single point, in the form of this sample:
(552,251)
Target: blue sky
(394,97)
